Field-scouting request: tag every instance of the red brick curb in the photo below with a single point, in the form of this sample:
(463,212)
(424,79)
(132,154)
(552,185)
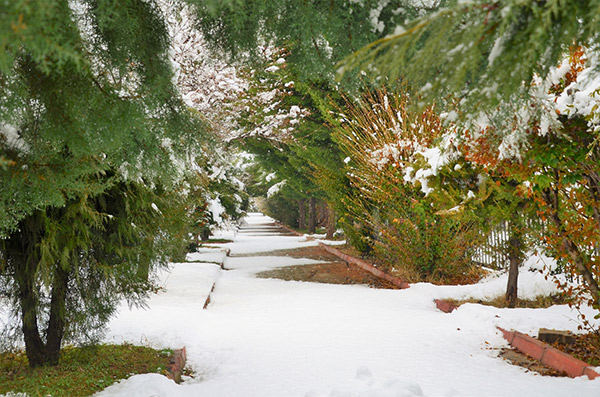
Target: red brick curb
(176,365)
(445,306)
(548,355)
(366,266)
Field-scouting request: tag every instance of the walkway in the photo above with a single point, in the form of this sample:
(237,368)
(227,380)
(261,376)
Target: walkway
(269,337)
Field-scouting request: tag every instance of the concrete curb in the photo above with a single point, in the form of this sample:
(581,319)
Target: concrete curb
(212,289)
(445,306)
(227,255)
(548,355)
(176,365)
(366,266)
(207,301)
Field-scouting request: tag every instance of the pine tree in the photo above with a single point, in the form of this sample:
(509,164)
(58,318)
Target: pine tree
(92,140)
(318,33)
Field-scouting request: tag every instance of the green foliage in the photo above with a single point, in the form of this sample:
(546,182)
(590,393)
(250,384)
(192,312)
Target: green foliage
(382,138)
(92,139)
(318,33)
(282,208)
(565,189)
(83,104)
(553,177)
(42,29)
(486,52)
(105,247)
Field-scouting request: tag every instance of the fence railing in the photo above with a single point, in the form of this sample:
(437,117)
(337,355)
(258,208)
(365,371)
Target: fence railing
(493,253)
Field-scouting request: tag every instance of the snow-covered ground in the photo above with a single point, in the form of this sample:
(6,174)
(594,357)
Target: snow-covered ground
(267,337)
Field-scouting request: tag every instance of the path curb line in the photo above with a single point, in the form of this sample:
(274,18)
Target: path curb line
(548,355)
(212,289)
(366,266)
(176,365)
(207,301)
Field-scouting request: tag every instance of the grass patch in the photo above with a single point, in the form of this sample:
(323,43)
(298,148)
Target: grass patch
(216,241)
(82,370)
(540,301)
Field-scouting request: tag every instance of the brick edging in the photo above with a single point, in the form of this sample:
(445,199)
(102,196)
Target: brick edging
(366,266)
(176,364)
(548,355)
(445,306)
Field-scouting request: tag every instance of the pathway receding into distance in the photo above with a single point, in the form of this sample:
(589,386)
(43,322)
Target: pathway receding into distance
(270,337)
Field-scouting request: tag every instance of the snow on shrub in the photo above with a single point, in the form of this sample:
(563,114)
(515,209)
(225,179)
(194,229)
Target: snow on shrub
(393,152)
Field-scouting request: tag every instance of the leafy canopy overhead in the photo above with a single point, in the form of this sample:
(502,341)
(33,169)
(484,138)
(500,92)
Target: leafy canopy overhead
(318,33)
(484,51)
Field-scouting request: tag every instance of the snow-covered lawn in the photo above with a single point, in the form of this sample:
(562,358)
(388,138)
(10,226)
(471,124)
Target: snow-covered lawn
(267,337)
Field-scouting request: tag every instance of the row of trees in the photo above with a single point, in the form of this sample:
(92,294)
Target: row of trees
(495,120)
(103,164)
(105,150)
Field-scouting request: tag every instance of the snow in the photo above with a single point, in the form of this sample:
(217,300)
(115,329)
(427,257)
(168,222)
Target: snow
(377,25)
(185,288)
(249,244)
(496,50)
(398,30)
(273,190)
(216,209)
(268,337)
(436,160)
(211,255)
(12,139)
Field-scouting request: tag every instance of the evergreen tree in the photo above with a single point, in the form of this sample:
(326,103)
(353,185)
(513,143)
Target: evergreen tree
(318,33)
(93,138)
(66,269)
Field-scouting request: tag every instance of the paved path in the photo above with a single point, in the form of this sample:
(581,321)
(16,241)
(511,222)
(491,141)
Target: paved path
(269,337)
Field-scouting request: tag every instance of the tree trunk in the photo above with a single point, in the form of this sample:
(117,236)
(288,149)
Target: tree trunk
(312,215)
(551,197)
(330,228)
(23,253)
(34,346)
(301,214)
(56,322)
(20,250)
(515,256)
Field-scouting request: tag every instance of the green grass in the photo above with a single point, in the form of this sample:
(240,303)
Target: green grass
(216,241)
(81,372)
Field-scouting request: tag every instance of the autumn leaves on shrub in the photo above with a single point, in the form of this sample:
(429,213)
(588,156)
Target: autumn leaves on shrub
(426,183)
(383,140)
(550,154)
